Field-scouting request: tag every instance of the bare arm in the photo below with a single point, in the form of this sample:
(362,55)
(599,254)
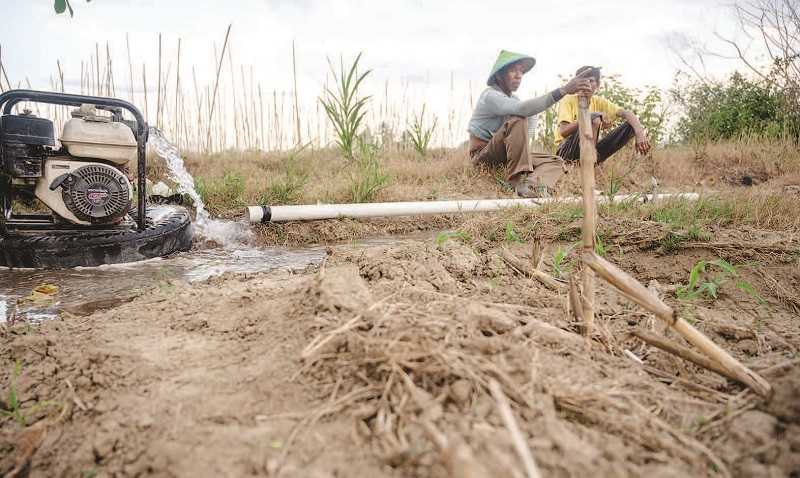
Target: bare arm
(566,129)
(642,143)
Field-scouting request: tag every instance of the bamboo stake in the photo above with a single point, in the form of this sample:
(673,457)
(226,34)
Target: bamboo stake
(639,294)
(297,139)
(144,85)
(682,352)
(216,85)
(99,87)
(177,94)
(130,65)
(588,160)
(110,88)
(546,280)
(236,125)
(158,88)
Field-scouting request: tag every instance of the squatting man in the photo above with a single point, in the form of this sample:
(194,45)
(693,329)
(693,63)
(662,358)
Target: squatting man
(498,129)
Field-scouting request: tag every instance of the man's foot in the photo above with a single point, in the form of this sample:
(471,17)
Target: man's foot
(525,186)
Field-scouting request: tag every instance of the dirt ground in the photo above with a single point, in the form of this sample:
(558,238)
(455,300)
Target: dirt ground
(381,362)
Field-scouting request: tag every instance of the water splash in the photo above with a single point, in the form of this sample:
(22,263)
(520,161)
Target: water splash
(229,234)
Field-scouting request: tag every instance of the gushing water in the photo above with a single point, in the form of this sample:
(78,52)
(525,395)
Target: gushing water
(227,233)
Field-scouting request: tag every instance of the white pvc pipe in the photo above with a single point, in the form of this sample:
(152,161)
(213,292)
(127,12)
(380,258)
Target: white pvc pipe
(264,214)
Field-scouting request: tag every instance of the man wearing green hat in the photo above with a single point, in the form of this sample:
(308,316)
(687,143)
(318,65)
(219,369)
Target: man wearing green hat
(498,128)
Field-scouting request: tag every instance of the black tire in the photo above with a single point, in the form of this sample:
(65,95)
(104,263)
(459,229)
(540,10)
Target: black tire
(168,230)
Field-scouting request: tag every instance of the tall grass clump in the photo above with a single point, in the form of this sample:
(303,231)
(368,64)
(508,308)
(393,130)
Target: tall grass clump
(369,177)
(288,187)
(222,193)
(420,133)
(344,106)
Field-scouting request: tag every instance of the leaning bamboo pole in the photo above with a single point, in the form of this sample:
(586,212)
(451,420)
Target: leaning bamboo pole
(633,289)
(638,293)
(588,160)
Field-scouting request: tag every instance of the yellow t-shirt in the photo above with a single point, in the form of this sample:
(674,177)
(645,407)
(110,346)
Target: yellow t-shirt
(568,110)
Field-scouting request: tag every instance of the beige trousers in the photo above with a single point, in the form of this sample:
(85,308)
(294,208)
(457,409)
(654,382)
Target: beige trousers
(508,149)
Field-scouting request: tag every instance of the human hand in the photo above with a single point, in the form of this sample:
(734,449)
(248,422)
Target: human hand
(579,85)
(642,143)
(605,121)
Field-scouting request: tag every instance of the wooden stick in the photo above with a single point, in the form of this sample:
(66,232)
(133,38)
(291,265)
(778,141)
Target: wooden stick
(540,276)
(588,160)
(216,87)
(176,130)
(520,445)
(681,351)
(158,90)
(575,300)
(639,294)
(130,66)
(297,139)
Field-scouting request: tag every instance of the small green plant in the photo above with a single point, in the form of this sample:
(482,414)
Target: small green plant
(420,133)
(615,180)
(560,267)
(369,177)
(696,233)
(511,234)
(705,284)
(599,246)
(443,237)
(344,107)
(288,187)
(14,406)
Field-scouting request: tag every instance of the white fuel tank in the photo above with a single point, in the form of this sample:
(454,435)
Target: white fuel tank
(99,138)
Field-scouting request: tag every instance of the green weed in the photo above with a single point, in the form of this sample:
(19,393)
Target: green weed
(223,193)
(420,133)
(369,177)
(705,283)
(511,234)
(560,267)
(344,107)
(287,188)
(599,246)
(14,406)
(443,237)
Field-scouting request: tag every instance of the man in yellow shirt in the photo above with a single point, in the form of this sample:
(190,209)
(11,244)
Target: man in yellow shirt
(604,113)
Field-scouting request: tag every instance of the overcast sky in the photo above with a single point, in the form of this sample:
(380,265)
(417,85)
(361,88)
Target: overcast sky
(423,44)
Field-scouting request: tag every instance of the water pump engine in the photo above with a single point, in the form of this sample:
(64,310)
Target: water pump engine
(85,182)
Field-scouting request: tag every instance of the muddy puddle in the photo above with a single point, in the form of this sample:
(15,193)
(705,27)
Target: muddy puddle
(34,295)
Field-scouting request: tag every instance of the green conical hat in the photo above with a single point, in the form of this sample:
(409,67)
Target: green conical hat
(506,58)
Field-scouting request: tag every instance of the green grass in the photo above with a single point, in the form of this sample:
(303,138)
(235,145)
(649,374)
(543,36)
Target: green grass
(369,177)
(286,188)
(684,214)
(511,234)
(443,237)
(222,193)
